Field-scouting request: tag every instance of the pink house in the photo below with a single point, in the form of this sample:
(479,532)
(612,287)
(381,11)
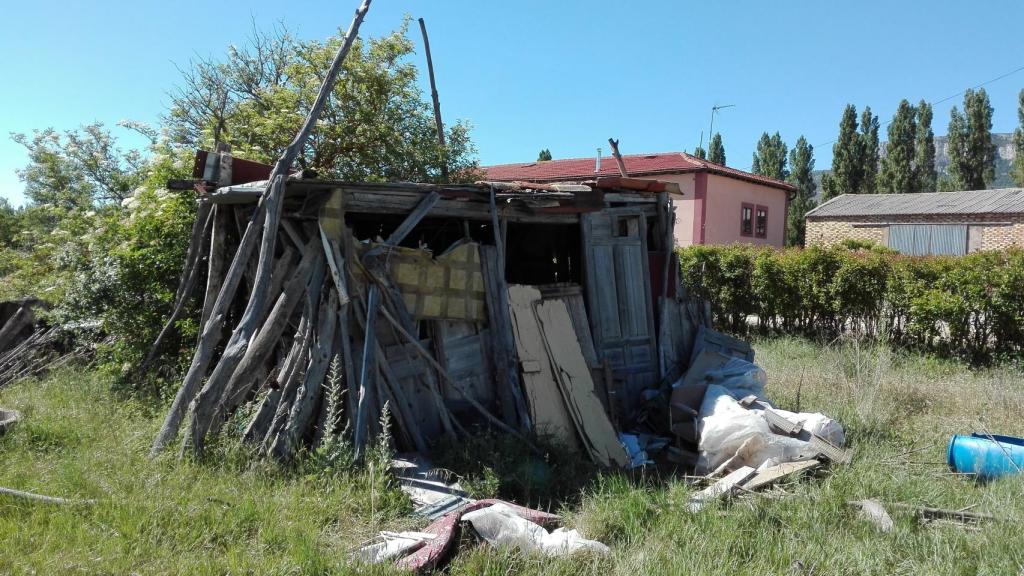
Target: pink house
(716,204)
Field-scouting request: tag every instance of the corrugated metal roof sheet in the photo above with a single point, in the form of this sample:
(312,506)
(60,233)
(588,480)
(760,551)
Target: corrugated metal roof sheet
(1001,201)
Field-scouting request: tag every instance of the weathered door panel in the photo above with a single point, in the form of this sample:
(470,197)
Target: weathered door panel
(619,298)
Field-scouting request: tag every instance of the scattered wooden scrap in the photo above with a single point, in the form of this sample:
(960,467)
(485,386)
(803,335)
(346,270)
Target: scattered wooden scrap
(928,514)
(428,488)
(721,489)
(773,474)
(875,512)
(577,386)
(547,408)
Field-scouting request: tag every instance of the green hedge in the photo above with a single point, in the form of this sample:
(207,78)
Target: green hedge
(970,307)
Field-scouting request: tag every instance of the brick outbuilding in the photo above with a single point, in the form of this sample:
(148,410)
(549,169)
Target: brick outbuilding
(951,223)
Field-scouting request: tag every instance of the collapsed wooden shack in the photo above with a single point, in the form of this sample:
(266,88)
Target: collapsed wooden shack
(543,310)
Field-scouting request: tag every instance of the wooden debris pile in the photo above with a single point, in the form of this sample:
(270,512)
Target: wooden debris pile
(525,308)
(29,347)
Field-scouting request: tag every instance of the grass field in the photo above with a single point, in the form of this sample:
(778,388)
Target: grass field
(228,516)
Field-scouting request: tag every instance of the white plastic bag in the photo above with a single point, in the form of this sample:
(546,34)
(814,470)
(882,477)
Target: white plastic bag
(731,433)
(499,525)
(740,378)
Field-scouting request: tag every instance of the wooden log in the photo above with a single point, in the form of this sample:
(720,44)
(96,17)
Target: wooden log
(308,395)
(208,340)
(509,388)
(437,103)
(289,388)
(260,423)
(215,261)
(270,333)
(204,407)
(618,157)
(335,262)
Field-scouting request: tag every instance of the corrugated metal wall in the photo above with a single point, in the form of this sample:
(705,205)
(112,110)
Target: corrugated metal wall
(929,239)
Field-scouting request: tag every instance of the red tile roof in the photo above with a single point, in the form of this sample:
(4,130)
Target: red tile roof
(636,165)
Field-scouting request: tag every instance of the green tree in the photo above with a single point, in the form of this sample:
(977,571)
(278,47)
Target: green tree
(972,154)
(897,174)
(78,169)
(770,157)
(716,150)
(801,165)
(9,224)
(699,152)
(544,155)
(847,172)
(868,151)
(924,151)
(1017,170)
(377,125)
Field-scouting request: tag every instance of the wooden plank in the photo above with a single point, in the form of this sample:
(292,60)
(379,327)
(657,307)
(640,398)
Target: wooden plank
(721,489)
(467,357)
(406,369)
(773,474)
(574,381)
(368,369)
(547,408)
(572,295)
(619,299)
(502,341)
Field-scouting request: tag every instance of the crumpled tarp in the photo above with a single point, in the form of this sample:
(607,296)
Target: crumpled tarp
(435,551)
(500,525)
(731,433)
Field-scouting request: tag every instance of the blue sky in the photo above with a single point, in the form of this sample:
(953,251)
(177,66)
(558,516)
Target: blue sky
(528,75)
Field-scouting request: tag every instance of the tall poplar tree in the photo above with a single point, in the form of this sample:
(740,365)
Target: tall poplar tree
(925,177)
(716,151)
(770,157)
(972,154)
(868,151)
(1017,170)
(801,165)
(846,153)
(700,152)
(897,175)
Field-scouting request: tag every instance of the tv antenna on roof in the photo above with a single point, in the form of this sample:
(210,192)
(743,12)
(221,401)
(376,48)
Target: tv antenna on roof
(711,130)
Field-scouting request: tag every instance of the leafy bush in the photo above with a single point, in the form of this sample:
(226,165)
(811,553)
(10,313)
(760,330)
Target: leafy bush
(971,307)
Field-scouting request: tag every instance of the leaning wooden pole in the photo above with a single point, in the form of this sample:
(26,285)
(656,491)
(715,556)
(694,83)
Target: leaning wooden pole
(211,333)
(437,102)
(618,157)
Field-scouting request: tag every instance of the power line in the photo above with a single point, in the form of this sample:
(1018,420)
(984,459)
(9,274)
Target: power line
(946,99)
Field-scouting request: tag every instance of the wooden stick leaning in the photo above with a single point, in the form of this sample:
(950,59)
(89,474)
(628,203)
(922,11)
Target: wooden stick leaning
(211,333)
(204,406)
(444,375)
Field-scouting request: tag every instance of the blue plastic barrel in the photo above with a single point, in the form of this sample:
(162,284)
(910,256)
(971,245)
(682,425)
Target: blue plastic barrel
(987,457)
